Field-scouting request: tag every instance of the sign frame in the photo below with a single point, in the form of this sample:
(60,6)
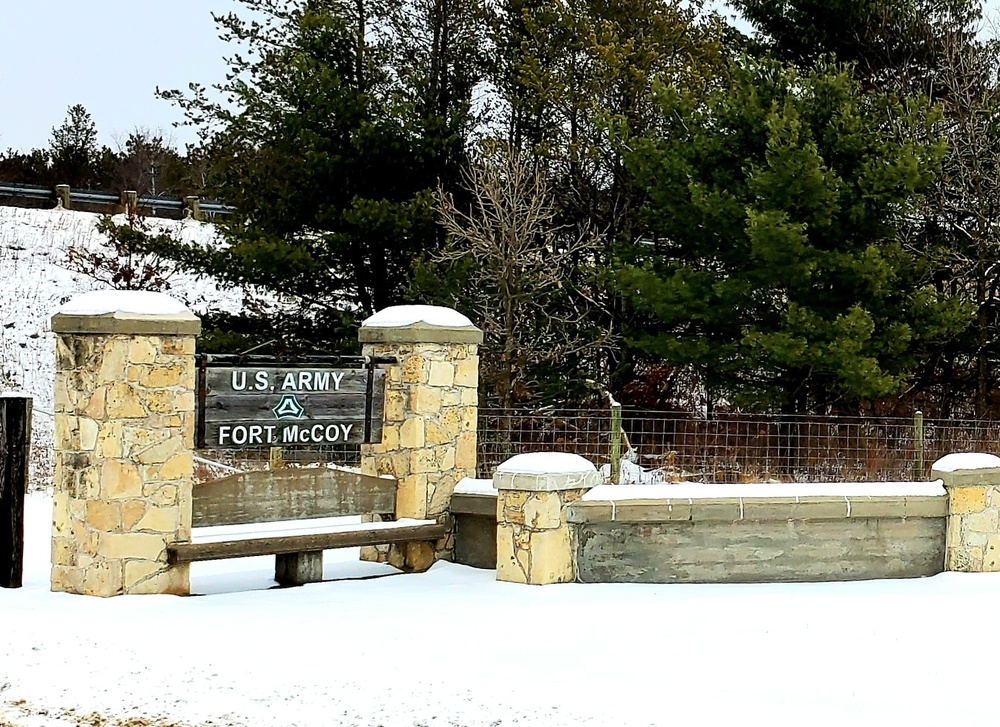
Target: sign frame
(206,362)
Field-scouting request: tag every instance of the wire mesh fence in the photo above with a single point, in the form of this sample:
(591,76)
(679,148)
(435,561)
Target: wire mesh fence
(671,447)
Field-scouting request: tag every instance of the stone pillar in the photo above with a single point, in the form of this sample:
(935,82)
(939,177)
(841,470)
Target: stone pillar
(124,435)
(431,410)
(973,485)
(533,539)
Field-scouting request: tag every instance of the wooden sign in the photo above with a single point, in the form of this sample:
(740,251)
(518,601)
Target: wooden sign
(269,403)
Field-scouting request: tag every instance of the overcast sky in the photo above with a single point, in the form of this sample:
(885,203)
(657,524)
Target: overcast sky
(109,56)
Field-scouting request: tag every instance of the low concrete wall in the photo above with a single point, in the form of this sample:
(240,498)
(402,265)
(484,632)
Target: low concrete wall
(473,509)
(767,533)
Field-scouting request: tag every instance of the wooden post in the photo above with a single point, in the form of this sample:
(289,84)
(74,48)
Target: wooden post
(15,439)
(918,444)
(130,201)
(62,196)
(616,442)
(276,460)
(193,204)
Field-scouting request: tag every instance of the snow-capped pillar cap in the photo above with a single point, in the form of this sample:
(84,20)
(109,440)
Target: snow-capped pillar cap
(126,312)
(546,472)
(967,469)
(419,324)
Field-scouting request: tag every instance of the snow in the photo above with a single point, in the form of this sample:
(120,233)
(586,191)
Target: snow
(546,463)
(399,316)
(470,486)
(699,490)
(138,302)
(35,279)
(452,647)
(308,526)
(966,461)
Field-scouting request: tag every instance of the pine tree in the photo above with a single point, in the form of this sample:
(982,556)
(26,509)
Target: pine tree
(73,149)
(777,273)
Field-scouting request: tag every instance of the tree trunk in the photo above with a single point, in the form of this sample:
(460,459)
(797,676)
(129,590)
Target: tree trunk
(15,438)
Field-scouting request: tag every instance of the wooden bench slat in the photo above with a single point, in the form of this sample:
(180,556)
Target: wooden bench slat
(274,545)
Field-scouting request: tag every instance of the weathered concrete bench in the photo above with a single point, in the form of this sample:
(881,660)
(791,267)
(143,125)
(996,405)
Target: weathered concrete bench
(302,501)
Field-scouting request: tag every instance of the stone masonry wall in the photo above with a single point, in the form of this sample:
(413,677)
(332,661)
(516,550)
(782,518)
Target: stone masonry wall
(973,536)
(430,417)
(124,432)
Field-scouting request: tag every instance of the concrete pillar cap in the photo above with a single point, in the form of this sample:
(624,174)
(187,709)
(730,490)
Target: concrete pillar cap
(127,312)
(966,461)
(419,324)
(546,472)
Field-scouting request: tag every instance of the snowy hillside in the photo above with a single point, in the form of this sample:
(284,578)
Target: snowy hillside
(35,278)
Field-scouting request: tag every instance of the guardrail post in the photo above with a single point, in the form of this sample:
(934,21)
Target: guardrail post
(194,204)
(15,436)
(63,196)
(130,201)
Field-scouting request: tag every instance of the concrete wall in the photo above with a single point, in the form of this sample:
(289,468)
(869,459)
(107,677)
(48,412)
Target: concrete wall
(732,539)
(475,517)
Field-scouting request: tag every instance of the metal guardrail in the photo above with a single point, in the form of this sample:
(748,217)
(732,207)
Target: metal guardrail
(209,208)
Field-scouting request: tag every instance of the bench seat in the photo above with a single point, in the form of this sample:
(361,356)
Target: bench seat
(305,538)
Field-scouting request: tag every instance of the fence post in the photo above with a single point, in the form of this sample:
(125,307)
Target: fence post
(15,440)
(918,443)
(616,441)
(192,203)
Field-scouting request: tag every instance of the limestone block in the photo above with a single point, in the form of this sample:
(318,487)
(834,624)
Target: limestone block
(63,552)
(413,370)
(441,374)
(395,406)
(178,467)
(120,479)
(411,496)
(114,360)
(465,451)
(178,346)
(423,461)
(543,511)
(162,495)
(162,452)
(95,406)
(160,377)
(467,372)
(132,512)
(109,440)
(437,434)
(89,430)
(139,546)
(966,499)
(174,580)
(445,457)
(470,397)
(510,568)
(991,554)
(142,350)
(424,399)
(981,522)
(159,520)
(551,557)
(123,402)
(103,578)
(451,422)
(411,433)
(101,515)
(66,579)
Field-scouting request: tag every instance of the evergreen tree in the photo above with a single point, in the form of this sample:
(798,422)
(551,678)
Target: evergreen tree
(73,150)
(777,274)
(330,157)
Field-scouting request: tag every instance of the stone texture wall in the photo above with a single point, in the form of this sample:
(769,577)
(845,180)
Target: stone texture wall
(973,485)
(124,434)
(759,539)
(431,412)
(533,537)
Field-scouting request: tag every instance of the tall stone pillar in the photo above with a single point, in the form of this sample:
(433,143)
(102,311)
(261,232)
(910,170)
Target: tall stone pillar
(534,543)
(124,435)
(431,409)
(973,536)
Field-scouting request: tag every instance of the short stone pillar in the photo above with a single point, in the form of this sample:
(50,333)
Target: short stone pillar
(533,539)
(431,410)
(124,435)
(973,485)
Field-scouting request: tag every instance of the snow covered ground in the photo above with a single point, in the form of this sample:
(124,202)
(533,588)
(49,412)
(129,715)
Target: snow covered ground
(35,278)
(453,647)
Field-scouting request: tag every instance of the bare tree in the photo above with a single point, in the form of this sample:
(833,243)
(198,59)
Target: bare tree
(527,275)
